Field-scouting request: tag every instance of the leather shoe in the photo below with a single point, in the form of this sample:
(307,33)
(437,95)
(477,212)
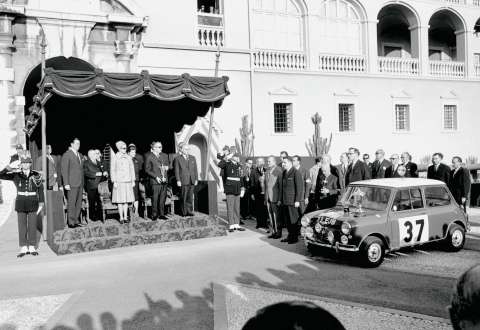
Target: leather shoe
(231,230)
(285,240)
(162,217)
(154,218)
(292,241)
(240,229)
(242,223)
(190,214)
(277,236)
(34,253)
(21,255)
(272,236)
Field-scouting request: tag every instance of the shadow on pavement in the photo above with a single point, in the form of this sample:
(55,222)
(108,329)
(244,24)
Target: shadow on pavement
(196,313)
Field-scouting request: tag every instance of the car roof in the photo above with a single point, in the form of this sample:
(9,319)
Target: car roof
(399,182)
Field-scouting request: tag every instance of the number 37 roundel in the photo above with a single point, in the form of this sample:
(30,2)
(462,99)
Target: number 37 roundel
(413,230)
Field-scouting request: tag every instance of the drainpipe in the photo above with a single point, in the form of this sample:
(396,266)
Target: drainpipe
(251,71)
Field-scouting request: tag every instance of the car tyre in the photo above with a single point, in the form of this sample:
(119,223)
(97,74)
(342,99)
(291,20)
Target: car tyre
(372,252)
(455,239)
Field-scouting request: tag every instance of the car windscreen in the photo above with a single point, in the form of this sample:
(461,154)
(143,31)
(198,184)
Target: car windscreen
(367,197)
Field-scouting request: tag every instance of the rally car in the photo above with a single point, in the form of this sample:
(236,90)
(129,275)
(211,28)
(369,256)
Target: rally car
(383,215)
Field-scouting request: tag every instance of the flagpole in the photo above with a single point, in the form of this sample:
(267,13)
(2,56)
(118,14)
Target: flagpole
(43,46)
(210,127)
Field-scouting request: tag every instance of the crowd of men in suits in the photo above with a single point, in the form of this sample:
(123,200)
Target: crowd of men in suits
(276,195)
(74,174)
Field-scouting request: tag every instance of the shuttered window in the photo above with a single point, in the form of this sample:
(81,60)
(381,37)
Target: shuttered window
(282,118)
(402,117)
(346,117)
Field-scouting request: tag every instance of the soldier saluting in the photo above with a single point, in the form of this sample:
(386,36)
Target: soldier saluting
(29,201)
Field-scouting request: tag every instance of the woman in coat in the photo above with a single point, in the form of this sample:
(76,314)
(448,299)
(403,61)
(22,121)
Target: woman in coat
(327,187)
(123,178)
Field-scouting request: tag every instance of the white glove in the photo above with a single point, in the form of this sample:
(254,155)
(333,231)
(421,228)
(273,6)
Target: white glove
(15,164)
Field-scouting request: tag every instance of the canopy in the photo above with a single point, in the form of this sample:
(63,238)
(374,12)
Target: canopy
(125,86)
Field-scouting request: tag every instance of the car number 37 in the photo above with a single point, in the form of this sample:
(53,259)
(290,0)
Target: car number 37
(413,230)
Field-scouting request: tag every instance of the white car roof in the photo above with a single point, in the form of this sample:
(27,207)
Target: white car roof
(399,182)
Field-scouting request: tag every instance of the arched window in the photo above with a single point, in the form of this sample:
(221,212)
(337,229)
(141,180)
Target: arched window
(340,28)
(278,24)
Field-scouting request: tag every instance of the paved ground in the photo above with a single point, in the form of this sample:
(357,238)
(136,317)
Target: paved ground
(169,285)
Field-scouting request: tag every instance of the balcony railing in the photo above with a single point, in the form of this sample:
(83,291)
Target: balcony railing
(395,65)
(210,36)
(456,2)
(279,60)
(477,70)
(449,69)
(476,3)
(342,63)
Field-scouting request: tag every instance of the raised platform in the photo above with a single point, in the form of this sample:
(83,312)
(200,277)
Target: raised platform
(98,236)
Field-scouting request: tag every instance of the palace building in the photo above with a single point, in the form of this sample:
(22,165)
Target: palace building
(397,75)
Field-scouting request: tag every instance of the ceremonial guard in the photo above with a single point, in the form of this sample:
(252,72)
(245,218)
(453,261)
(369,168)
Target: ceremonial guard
(233,188)
(29,202)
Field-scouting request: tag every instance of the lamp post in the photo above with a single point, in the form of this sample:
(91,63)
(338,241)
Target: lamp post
(210,127)
(43,46)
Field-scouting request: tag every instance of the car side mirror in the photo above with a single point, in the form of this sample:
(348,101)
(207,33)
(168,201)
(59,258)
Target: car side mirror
(394,208)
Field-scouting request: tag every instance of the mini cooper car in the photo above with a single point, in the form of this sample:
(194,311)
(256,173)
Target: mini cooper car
(383,215)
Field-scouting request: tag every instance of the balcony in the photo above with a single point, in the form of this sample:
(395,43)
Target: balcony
(279,60)
(210,36)
(342,63)
(400,66)
(447,69)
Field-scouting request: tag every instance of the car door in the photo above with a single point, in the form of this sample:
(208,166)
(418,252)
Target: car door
(408,218)
(440,210)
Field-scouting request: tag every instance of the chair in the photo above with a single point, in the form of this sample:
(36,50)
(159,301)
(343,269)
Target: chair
(106,199)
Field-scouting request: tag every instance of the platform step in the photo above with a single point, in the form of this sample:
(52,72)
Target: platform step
(114,235)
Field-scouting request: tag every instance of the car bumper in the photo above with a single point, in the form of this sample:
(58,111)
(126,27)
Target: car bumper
(336,246)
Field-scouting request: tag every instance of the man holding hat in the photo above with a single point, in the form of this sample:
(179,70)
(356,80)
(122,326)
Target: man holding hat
(29,202)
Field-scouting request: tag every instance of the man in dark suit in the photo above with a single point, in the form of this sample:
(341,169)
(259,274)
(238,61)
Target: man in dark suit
(412,169)
(19,153)
(357,170)
(380,165)
(257,189)
(246,202)
(438,170)
(307,183)
(186,174)
(368,163)
(54,175)
(291,195)
(72,176)
(93,176)
(459,183)
(392,170)
(156,167)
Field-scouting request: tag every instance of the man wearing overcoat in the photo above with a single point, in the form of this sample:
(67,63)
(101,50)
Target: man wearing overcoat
(72,176)
(292,193)
(186,174)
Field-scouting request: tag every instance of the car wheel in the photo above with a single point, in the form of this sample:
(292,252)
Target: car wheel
(455,238)
(372,252)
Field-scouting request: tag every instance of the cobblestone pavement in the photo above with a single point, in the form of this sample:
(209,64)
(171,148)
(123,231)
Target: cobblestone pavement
(31,312)
(242,302)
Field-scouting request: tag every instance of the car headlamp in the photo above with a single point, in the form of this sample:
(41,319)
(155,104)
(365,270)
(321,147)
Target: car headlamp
(330,237)
(346,228)
(318,227)
(305,221)
(344,240)
(309,232)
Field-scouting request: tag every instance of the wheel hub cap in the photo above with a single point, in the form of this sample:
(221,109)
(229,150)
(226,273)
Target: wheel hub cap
(457,238)
(374,252)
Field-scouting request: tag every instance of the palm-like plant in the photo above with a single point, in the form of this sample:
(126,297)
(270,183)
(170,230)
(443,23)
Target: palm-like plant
(317,146)
(245,145)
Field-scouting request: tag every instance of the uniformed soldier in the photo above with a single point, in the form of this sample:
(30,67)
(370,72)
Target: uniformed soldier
(233,189)
(29,202)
